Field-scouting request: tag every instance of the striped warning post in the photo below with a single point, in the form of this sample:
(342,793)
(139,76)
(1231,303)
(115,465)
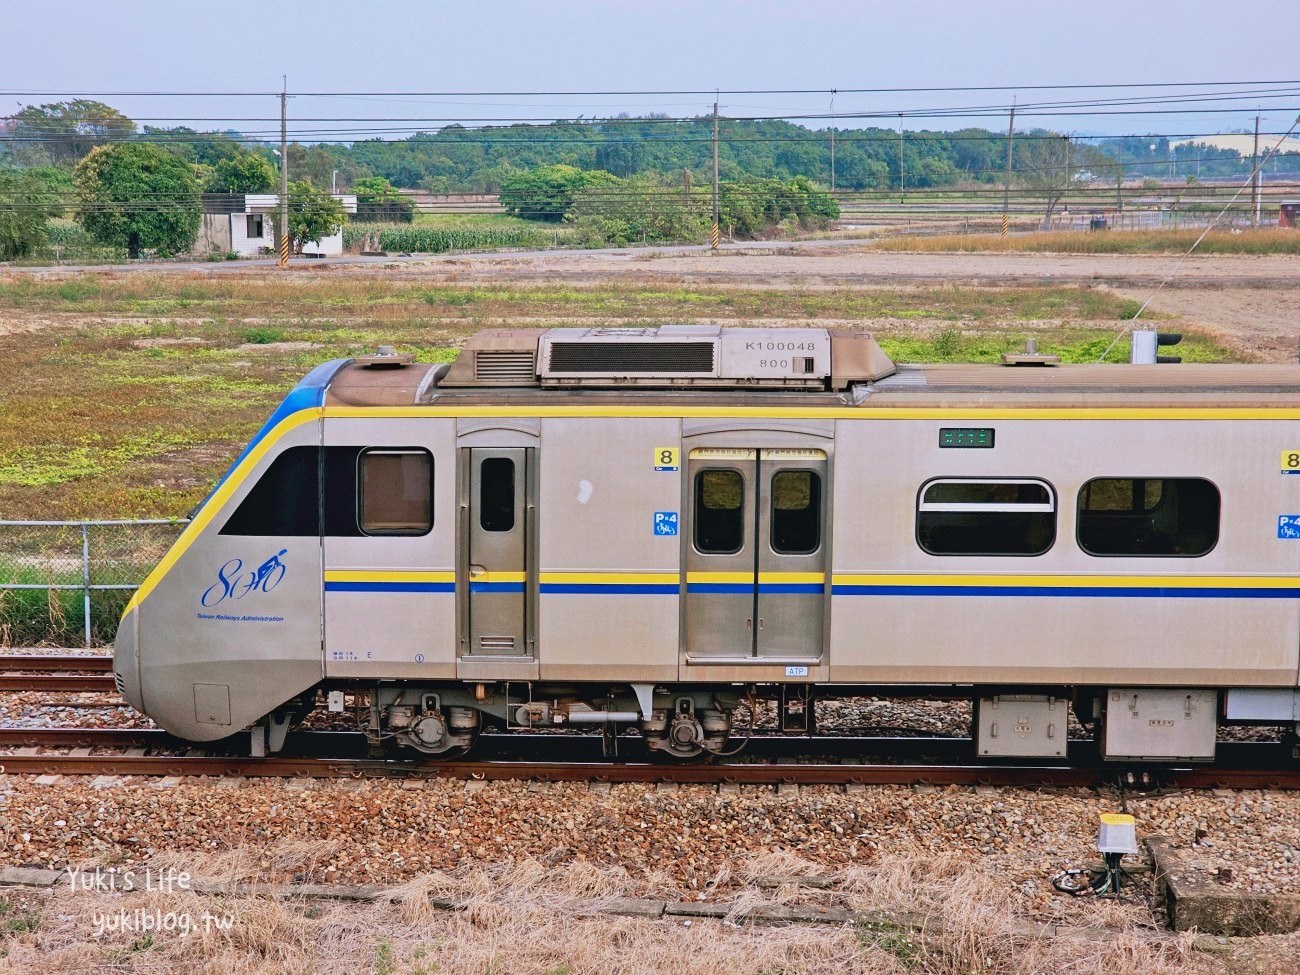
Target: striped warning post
(1006,224)
(284,250)
(715,236)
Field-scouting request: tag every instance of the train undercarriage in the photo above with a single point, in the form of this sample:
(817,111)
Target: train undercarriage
(700,723)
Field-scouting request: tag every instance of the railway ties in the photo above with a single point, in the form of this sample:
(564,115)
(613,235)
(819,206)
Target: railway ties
(21,673)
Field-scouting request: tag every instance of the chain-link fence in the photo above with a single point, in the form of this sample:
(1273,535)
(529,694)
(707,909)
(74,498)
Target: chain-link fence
(68,581)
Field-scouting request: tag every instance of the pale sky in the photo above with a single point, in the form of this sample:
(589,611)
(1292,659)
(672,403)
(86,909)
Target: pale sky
(95,48)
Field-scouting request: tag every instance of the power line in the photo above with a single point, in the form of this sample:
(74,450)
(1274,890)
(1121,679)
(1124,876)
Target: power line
(638,92)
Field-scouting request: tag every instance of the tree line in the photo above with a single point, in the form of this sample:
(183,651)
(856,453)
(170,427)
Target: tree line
(140,189)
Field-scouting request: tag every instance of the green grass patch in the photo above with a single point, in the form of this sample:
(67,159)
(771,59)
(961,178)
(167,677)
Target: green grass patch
(275,301)
(1072,345)
(57,617)
(263,335)
(17,919)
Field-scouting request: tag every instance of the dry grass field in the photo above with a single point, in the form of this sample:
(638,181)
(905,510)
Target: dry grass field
(532,918)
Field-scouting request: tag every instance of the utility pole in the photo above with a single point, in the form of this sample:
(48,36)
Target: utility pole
(686,180)
(1006,183)
(284,173)
(715,232)
(832,160)
(1254,179)
(900,158)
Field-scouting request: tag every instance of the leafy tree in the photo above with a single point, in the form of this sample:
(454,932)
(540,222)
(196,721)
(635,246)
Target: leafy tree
(313,214)
(748,208)
(316,164)
(138,196)
(244,172)
(58,183)
(547,192)
(639,208)
(26,201)
(379,200)
(70,130)
(203,148)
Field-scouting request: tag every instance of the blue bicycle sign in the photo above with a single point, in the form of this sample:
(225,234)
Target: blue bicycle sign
(665,522)
(234,582)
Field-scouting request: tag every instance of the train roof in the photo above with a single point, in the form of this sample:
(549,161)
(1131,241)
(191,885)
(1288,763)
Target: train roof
(775,368)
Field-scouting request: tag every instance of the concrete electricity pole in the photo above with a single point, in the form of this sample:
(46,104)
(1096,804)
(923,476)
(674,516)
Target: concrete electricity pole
(284,174)
(1006,183)
(1255,178)
(715,233)
(900,158)
(832,160)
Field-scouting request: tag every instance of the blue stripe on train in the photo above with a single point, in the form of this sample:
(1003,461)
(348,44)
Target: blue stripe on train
(1093,592)
(611,588)
(390,587)
(745,588)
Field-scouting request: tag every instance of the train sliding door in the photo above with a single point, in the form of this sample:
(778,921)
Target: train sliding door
(498,536)
(756,558)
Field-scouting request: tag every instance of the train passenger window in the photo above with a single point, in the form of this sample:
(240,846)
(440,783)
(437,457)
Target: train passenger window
(719,512)
(796,512)
(497,495)
(289,498)
(1009,516)
(396,492)
(1172,516)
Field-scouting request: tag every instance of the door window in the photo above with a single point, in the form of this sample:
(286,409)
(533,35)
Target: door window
(719,512)
(497,495)
(796,512)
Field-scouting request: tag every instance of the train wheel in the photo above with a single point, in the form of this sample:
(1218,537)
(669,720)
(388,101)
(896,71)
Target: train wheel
(689,737)
(664,756)
(442,735)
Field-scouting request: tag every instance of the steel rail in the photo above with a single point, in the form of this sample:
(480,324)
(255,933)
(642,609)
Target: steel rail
(752,774)
(55,664)
(70,683)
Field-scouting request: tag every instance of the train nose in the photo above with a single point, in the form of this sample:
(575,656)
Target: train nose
(126,665)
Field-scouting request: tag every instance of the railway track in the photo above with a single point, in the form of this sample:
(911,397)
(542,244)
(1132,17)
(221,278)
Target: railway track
(556,759)
(769,760)
(63,673)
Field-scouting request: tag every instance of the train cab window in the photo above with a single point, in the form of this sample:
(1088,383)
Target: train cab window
(395,489)
(1172,516)
(719,512)
(291,498)
(497,495)
(1009,516)
(796,512)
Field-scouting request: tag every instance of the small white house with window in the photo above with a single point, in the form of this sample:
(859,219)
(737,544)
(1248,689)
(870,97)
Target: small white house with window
(244,224)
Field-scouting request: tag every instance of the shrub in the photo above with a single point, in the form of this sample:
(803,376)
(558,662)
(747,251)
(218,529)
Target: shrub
(263,336)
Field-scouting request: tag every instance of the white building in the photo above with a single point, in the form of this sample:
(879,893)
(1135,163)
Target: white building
(242,223)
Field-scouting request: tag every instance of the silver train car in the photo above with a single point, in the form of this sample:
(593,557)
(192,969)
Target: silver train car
(647,526)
